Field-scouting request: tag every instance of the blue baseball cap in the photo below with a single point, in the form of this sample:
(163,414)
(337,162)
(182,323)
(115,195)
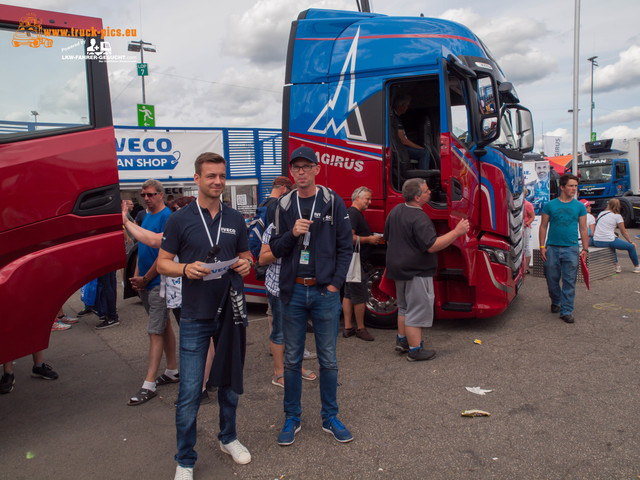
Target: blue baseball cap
(304,152)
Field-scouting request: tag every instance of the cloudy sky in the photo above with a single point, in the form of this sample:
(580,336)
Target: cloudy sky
(221,63)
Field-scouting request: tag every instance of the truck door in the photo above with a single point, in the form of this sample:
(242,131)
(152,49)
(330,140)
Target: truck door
(60,221)
(621,178)
(459,167)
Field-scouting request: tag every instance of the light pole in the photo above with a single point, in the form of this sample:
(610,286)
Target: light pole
(576,52)
(35,118)
(140,46)
(593,64)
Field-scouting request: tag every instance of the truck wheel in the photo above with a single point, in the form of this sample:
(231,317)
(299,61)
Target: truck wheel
(381,310)
(627,215)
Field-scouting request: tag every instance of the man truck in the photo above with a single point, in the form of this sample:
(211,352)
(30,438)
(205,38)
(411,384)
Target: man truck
(606,173)
(346,72)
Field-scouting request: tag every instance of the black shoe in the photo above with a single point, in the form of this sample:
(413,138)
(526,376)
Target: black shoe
(402,346)
(204,398)
(7,382)
(84,311)
(107,322)
(44,371)
(568,318)
(349,332)
(420,354)
(555,308)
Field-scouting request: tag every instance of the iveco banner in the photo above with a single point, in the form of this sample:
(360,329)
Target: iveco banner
(162,155)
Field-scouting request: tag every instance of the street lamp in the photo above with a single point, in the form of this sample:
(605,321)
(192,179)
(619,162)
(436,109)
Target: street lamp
(593,64)
(140,46)
(35,118)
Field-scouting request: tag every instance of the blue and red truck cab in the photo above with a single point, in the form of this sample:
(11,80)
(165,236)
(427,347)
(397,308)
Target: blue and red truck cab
(345,70)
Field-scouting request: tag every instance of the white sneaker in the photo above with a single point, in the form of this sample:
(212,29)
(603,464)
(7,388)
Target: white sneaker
(183,473)
(618,269)
(636,269)
(238,452)
(309,355)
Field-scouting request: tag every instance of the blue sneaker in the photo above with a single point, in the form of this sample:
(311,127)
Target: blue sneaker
(334,426)
(288,433)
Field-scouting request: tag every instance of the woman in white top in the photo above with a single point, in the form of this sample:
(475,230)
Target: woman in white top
(605,234)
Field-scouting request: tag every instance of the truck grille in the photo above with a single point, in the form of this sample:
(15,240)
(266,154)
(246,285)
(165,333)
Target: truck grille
(516,227)
(592,192)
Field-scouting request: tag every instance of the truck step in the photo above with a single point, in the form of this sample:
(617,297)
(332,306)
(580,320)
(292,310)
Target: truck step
(457,307)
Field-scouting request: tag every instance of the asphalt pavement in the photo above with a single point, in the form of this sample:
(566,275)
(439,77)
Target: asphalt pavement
(563,401)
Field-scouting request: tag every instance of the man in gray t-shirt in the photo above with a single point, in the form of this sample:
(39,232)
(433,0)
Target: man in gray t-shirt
(412,263)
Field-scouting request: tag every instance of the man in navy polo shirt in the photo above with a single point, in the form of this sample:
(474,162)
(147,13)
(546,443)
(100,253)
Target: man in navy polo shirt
(190,234)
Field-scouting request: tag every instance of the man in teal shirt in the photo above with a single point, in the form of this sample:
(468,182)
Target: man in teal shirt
(561,251)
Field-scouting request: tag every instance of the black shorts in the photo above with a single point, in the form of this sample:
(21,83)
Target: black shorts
(357,292)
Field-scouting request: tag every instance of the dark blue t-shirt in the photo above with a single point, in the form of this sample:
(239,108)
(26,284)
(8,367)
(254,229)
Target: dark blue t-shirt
(146,254)
(185,236)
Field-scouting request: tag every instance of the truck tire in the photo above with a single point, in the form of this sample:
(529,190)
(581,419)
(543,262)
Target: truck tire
(380,310)
(626,210)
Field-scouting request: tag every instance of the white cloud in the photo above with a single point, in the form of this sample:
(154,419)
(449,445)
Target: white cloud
(261,33)
(528,67)
(621,131)
(511,40)
(627,115)
(623,74)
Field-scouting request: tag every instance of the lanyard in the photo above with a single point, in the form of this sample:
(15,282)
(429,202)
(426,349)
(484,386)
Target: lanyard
(307,236)
(206,229)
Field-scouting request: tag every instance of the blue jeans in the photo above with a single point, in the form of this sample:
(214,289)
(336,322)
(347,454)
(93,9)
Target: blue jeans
(562,262)
(276,336)
(421,155)
(618,244)
(324,308)
(194,344)
(106,296)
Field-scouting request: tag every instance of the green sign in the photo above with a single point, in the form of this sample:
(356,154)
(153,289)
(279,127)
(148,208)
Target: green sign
(143,69)
(593,136)
(146,115)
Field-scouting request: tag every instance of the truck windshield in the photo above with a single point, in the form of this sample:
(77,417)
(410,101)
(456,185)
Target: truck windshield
(506,138)
(595,173)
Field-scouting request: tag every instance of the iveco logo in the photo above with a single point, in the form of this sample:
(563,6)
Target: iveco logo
(232,231)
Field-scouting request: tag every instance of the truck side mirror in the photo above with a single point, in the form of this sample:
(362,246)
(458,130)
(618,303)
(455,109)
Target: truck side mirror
(522,124)
(488,110)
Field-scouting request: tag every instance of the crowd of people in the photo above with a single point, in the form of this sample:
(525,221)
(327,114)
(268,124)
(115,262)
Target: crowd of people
(192,259)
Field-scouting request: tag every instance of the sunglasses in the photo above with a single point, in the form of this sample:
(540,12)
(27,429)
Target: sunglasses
(145,195)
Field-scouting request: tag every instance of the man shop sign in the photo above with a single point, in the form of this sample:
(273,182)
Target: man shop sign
(161,154)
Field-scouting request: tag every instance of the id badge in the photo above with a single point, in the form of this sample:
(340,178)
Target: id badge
(304,257)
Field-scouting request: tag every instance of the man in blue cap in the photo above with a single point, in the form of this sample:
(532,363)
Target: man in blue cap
(313,237)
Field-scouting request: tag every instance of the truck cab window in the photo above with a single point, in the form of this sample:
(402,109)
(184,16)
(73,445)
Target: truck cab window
(413,130)
(458,111)
(46,86)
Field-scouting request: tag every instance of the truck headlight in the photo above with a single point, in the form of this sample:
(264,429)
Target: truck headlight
(496,255)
